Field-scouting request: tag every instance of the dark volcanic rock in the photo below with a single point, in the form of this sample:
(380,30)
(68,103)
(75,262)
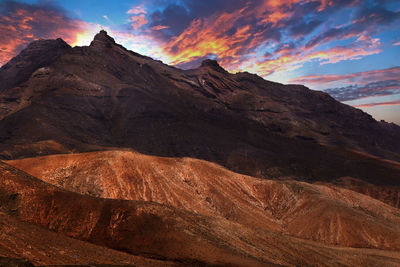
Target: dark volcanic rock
(102,96)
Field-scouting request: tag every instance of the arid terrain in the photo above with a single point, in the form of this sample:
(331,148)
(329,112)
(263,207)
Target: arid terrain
(111,157)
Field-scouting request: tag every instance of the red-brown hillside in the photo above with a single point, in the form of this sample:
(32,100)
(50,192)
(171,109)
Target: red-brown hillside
(153,230)
(326,214)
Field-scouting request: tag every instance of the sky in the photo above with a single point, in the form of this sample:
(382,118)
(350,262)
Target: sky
(347,48)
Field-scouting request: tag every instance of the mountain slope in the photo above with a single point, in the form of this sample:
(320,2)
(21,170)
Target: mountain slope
(43,247)
(158,231)
(104,96)
(322,213)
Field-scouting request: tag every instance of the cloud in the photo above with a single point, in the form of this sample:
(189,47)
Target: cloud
(374,104)
(378,88)
(304,27)
(138,21)
(175,17)
(359,77)
(136,10)
(138,16)
(22,23)
(264,36)
(291,57)
(367,21)
(210,36)
(159,27)
(232,34)
(357,85)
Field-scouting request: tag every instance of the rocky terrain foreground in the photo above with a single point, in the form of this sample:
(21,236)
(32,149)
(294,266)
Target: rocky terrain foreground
(110,157)
(171,232)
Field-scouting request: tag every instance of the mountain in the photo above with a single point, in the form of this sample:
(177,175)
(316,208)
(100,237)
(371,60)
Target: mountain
(102,147)
(104,96)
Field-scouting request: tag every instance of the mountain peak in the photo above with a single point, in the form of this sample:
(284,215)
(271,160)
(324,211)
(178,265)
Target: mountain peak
(213,64)
(102,39)
(37,54)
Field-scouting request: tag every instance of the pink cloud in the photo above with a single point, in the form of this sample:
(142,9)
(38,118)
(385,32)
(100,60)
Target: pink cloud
(138,21)
(388,103)
(360,77)
(159,27)
(136,10)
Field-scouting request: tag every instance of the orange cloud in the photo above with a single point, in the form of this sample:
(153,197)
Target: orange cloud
(207,36)
(211,35)
(21,24)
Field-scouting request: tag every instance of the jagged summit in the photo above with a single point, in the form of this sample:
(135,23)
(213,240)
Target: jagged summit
(212,63)
(102,39)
